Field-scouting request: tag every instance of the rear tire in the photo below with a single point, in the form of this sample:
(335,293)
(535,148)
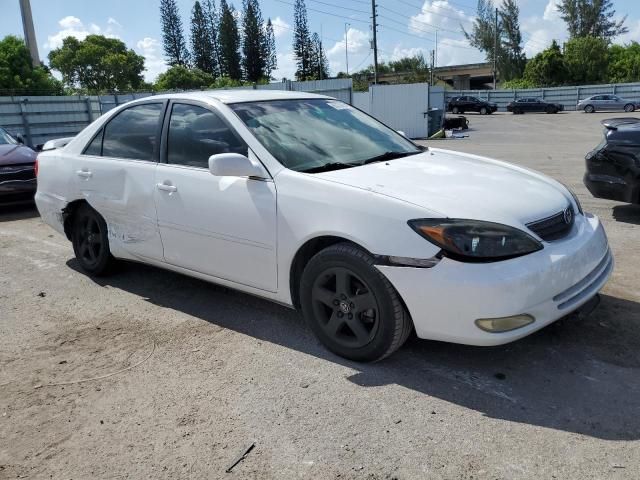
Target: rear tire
(517,111)
(589,109)
(90,241)
(351,306)
(629,107)
(550,109)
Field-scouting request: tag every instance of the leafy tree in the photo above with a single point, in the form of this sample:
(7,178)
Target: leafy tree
(594,18)
(586,60)
(319,65)
(518,83)
(511,60)
(180,77)
(211,17)
(301,41)
(229,40)
(18,74)
(482,34)
(269,50)
(548,68)
(624,63)
(175,46)
(254,60)
(201,41)
(98,64)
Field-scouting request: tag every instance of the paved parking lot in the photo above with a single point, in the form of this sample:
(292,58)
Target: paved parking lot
(149,374)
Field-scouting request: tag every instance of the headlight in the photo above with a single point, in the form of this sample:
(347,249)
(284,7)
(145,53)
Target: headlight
(474,240)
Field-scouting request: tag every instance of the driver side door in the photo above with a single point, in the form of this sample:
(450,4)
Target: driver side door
(224,227)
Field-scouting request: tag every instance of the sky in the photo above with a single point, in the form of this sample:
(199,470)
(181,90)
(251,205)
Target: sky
(405,27)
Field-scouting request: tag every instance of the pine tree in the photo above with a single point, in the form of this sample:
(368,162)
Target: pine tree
(211,17)
(253,60)
(175,46)
(301,41)
(595,18)
(319,64)
(229,40)
(269,50)
(201,41)
(512,60)
(482,35)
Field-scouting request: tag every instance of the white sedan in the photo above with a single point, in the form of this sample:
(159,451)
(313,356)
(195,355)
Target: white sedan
(304,200)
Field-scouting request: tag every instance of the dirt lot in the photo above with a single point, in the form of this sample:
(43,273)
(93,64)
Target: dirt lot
(211,371)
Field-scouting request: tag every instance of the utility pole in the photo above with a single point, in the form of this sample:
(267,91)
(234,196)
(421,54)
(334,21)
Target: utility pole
(374,18)
(346,45)
(29,32)
(495,51)
(436,54)
(433,57)
(320,56)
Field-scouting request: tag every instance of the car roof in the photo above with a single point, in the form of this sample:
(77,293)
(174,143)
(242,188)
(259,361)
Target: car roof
(240,95)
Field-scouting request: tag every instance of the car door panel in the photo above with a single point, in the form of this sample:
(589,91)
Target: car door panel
(219,226)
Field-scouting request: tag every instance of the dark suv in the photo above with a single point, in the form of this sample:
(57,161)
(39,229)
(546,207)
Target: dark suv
(470,104)
(613,167)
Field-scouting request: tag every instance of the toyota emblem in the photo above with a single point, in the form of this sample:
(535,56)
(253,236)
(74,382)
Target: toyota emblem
(568,216)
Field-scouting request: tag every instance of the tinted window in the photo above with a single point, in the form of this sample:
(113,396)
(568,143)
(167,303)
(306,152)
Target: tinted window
(196,133)
(95,147)
(132,133)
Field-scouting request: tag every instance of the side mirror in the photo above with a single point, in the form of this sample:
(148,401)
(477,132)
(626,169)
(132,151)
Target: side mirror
(234,165)
(20,138)
(402,133)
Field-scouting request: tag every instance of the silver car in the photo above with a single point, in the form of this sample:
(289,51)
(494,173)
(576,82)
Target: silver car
(607,102)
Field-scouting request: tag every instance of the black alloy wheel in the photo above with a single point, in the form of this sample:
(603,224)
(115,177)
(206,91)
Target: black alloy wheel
(90,241)
(351,306)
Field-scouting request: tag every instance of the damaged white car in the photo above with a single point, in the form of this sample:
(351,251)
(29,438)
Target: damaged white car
(306,201)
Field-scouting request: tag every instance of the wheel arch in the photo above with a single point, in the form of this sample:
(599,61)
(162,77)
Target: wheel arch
(302,256)
(68,214)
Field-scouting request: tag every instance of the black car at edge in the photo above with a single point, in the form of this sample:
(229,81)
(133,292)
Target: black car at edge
(613,167)
(532,104)
(467,103)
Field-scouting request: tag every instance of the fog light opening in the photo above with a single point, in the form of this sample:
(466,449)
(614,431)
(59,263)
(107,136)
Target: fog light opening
(504,324)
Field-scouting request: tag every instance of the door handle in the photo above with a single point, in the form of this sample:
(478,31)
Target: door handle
(166,188)
(84,173)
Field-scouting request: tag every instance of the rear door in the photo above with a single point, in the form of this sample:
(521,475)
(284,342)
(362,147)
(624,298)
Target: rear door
(115,174)
(220,226)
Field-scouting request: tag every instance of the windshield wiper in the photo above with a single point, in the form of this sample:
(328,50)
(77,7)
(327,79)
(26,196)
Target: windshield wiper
(388,156)
(328,167)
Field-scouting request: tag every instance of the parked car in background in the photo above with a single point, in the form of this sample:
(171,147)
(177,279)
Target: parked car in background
(306,201)
(531,104)
(601,103)
(17,170)
(467,103)
(613,167)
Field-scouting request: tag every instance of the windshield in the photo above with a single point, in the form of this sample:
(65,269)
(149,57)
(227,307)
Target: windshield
(321,134)
(6,139)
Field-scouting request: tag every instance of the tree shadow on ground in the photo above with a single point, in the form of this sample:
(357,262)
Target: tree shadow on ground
(580,376)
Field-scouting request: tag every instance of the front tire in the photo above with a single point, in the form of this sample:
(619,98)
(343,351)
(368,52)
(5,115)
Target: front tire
(91,242)
(483,111)
(351,307)
(629,108)
(455,110)
(589,109)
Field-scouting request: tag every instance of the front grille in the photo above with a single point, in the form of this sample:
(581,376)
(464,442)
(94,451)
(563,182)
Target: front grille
(554,227)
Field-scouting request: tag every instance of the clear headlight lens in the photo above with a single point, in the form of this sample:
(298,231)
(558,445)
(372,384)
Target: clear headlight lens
(475,240)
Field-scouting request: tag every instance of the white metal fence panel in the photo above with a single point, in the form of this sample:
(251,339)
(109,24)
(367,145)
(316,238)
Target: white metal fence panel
(362,101)
(402,107)
(567,96)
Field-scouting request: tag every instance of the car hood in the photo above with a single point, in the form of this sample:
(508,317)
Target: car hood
(13,154)
(457,185)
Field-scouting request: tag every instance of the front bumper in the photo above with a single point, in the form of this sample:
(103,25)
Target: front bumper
(17,184)
(612,187)
(444,301)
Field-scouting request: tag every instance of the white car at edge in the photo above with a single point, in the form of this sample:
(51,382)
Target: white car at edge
(304,200)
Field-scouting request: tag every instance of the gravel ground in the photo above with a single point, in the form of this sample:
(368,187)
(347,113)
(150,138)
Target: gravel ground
(149,374)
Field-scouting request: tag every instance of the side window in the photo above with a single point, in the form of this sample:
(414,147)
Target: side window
(133,133)
(196,133)
(95,147)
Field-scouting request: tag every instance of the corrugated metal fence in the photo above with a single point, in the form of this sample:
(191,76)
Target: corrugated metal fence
(40,119)
(567,96)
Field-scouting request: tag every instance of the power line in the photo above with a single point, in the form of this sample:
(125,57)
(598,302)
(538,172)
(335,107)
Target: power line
(418,29)
(339,6)
(442,42)
(423,10)
(327,13)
